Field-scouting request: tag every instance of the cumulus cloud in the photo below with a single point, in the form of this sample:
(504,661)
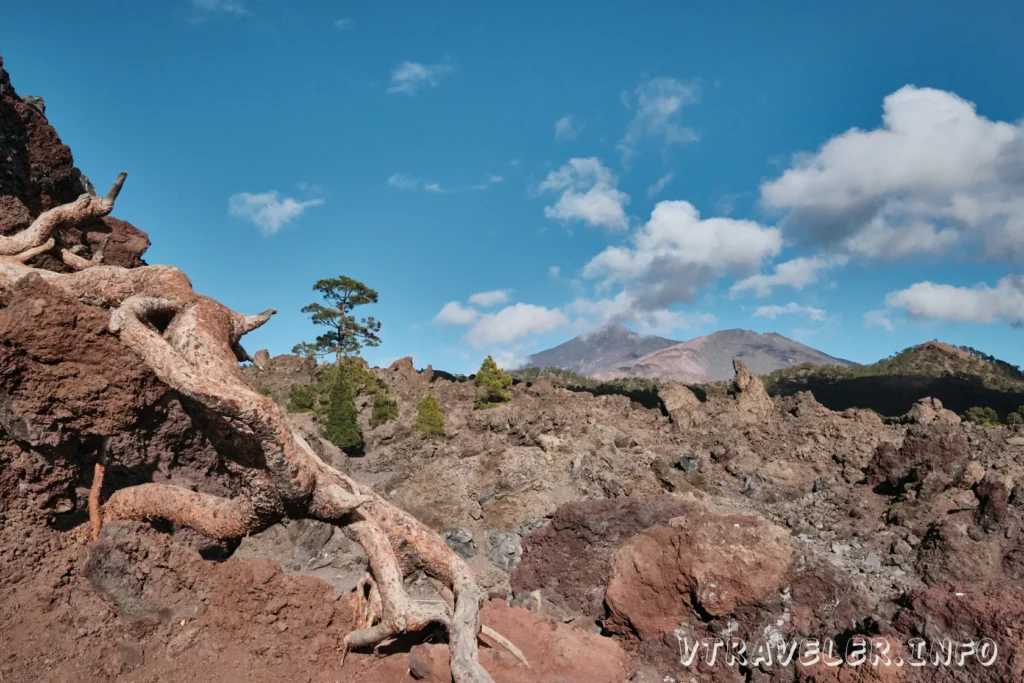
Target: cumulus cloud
(775,311)
(266,211)
(659,103)
(566,128)
(878,319)
(589,194)
(454,313)
(979,304)
(495,297)
(662,182)
(796,273)
(676,253)
(514,322)
(933,174)
(412,77)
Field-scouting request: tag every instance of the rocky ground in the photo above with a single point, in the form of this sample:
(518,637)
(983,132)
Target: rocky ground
(608,535)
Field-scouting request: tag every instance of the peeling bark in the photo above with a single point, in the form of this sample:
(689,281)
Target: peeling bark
(197,353)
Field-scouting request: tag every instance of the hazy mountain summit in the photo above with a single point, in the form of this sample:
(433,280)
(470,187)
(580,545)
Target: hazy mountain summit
(609,346)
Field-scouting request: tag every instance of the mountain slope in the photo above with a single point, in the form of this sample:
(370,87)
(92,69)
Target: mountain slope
(709,358)
(606,347)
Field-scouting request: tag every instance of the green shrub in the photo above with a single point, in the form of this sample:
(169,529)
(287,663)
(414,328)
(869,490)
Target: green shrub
(429,418)
(494,383)
(340,426)
(302,399)
(1015,418)
(385,408)
(265,391)
(982,415)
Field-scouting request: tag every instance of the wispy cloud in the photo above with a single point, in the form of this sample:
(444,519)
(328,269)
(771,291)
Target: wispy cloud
(796,273)
(773,312)
(235,7)
(343,24)
(878,319)
(566,128)
(267,211)
(662,182)
(412,77)
(659,103)
(554,271)
(404,181)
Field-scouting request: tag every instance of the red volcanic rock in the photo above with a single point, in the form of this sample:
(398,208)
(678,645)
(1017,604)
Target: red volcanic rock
(706,561)
(556,652)
(37,172)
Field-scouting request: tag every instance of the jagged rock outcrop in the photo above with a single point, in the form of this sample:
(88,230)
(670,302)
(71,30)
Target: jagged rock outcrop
(38,173)
(929,410)
(752,399)
(681,404)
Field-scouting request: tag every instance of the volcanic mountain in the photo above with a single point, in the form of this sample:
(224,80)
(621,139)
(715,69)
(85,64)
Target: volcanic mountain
(615,351)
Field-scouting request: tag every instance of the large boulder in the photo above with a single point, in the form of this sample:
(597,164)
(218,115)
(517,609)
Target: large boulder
(701,561)
(681,404)
(929,410)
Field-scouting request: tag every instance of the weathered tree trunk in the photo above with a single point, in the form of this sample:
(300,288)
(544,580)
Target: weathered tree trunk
(197,354)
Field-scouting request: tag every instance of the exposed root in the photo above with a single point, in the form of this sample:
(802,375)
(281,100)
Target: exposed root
(191,343)
(95,515)
(505,643)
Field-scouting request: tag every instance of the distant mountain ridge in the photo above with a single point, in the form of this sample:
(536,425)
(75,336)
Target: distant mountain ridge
(614,351)
(608,346)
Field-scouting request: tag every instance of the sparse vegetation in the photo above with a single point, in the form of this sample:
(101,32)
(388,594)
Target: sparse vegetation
(494,385)
(982,415)
(264,390)
(302,399)
(429,418)
(385,408)
(640,389)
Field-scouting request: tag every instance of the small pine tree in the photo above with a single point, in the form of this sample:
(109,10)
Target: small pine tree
(339,425)
(302,399)
(385,408)
(494,383)
(429,418)
(1014,418)
(986,416)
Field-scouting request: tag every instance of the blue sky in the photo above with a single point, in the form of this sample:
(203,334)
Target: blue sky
(847,174)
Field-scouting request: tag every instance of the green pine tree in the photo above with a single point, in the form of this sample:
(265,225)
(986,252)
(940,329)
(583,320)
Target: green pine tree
(986,416)
(494,385)
(340,426)
(385,408)
(429,418)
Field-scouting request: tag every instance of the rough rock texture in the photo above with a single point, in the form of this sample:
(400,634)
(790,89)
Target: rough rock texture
(38,173)
(681,404)
(712,563)
(751,397)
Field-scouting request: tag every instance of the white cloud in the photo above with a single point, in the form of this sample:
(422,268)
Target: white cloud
(554,271)
(775,311)
(509,360)
(514,322)
(266,211)
(404,181)
(411,77)
(796,273)
(932,175)
(566,128)
(662,182)
(878,319)
(589,194)
(676,252)
(659,103)
(454,313)
(979,304)
(343,24)
(237,7)
(495,297)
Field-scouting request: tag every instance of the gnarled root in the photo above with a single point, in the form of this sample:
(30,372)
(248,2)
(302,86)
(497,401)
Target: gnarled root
(197,354)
